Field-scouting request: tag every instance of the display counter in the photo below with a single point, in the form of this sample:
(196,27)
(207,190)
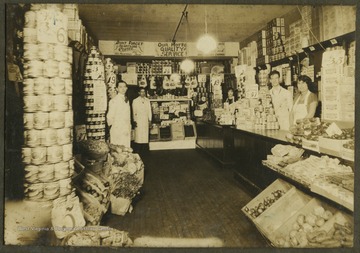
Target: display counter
(244,150)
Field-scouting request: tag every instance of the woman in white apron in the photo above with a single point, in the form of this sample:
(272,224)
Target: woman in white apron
(142,117)
(119,117)
(306,103)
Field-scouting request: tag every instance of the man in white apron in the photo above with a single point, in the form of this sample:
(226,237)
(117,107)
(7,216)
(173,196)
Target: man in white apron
(119,117)
(142,117)
(282,101)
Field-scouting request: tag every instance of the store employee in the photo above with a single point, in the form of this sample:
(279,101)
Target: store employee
(142,118)
(119,117)
(281,99)
(230,101)
(306,102)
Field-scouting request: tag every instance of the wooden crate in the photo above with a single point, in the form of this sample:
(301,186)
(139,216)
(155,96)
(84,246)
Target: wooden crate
(284,230)
(276,185)
(281,211)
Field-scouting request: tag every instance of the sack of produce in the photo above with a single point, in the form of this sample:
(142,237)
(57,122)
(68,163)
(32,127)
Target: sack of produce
(94,149)
(98,236)
(66,215)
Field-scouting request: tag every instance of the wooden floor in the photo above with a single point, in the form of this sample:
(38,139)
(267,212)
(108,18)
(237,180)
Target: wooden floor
(186,195)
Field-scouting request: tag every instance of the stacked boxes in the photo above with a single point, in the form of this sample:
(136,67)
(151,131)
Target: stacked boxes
(95,96)
(47,153)
(337,20)
(262,51)
(275,39)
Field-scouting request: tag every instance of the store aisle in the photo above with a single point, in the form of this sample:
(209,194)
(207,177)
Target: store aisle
(188,196)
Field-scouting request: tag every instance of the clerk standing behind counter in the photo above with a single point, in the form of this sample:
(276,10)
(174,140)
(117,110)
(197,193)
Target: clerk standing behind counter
(306,102)
(119,117)
(281,99)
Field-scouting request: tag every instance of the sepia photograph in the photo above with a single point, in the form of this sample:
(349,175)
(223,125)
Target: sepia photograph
(180,125)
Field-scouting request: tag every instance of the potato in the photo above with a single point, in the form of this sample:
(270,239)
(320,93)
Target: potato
(300,219)
(327,215)
(307,227)
(310,219)
(280,242)
(319,210)
(294,242)
(319,222)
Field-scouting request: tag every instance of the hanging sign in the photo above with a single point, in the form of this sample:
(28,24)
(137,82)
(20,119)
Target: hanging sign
(169,49)
(129,47)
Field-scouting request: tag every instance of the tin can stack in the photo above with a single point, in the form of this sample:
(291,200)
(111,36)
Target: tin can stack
(47,153)
(95,96)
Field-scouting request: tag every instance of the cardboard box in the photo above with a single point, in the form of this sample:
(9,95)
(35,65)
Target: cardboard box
(331,146)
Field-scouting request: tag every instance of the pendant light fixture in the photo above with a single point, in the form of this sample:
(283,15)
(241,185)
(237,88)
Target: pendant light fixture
(206,43)
(187,65)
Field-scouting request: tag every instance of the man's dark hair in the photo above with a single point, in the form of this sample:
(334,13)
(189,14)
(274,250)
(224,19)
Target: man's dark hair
(274,72)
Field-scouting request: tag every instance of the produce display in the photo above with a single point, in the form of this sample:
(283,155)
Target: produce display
(310,129)
(126,176)
(48,117)
(95,96)
(285,154)
(91,236)
(318,228)
(94,193)
(262,206)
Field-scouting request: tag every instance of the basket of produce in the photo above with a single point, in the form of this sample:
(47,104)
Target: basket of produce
(94,149)
(91,236)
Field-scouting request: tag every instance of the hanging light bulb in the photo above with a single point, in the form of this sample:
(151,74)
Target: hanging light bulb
(206,43)
(187,66)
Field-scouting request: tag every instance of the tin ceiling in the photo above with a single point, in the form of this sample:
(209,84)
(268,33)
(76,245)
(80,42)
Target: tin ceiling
(158,22)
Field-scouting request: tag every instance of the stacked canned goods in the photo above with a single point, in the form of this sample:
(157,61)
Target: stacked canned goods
(95,96)
(110,77)
(47,153)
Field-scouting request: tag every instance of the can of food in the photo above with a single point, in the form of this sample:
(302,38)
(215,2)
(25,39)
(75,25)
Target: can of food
(38,155)
(69,119)
(64,69)
(28,120)
(65,186)
(48,137)
(57,86)
(34,191)
(32,137)
(31,103)
(28,88)
(51,68)
(34,68)
(61,170)
(70,102)
(68,87)
(63,136)
(46,173)
(26,155)
(30,19)
(41,120)
(30,35)
(67,152)
(60,103)
(31,173)
(46,51)
(71,167)
(54,154)
(31,51)
(41,85)
(70,55)
(61,53)
(45,102)
(56,119)
(51,190)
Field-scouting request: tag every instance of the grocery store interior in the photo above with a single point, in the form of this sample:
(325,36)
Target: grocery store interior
(180,125)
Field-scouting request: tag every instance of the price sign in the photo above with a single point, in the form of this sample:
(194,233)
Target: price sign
(333,41)
(252,91)
(312,48)
(167,70)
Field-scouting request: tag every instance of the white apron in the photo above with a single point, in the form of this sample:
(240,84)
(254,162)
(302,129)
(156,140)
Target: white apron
(300,110)
(118,118)
(142,116)
(281,108)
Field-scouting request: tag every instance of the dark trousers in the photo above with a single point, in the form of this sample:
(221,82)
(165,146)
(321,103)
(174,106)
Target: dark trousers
(141,148)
